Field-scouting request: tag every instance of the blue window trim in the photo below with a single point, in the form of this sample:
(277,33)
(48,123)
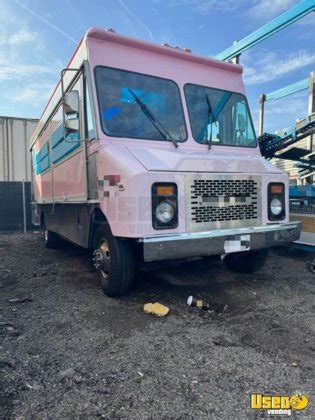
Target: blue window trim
(42,159)
(62,146)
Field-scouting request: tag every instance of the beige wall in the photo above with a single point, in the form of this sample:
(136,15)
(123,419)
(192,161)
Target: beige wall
(15,158)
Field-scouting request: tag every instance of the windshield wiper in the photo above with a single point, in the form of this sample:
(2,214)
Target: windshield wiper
(155,121)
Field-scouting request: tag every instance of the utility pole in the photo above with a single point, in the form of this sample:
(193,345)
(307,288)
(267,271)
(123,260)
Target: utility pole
(311,97)
(262,99)
(311,110)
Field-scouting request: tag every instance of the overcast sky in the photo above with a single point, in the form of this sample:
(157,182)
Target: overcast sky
(38,37)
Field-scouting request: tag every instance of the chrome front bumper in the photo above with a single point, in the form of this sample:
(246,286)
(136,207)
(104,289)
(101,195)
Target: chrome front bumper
(218,242)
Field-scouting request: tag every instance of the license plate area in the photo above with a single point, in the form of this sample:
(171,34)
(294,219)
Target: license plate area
(237,243)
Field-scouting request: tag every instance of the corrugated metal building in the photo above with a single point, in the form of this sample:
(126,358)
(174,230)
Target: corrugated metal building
(15,158)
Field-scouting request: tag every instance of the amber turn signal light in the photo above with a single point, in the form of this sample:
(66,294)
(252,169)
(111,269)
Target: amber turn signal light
(165,190)
(276,189)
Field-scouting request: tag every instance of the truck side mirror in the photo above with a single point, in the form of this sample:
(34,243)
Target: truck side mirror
(71,102)
(72,126)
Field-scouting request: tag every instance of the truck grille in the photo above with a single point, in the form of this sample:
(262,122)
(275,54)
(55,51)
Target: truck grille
(222,201)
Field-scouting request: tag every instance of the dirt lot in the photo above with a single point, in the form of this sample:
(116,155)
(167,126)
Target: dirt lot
(69,350)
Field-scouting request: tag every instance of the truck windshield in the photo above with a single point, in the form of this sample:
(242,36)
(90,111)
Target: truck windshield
(134,105)
(219,117)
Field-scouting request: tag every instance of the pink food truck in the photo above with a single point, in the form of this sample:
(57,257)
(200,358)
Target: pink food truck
(147,153)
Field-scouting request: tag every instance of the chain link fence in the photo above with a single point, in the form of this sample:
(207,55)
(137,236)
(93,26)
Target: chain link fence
(15,206)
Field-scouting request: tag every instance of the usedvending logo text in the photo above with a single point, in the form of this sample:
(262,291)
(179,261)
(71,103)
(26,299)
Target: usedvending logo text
(279,404)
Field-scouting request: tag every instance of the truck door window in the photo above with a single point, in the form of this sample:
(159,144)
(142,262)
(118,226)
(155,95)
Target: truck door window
(219,116)
(126,99)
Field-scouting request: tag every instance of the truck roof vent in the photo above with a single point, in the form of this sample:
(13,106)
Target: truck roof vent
(177,48)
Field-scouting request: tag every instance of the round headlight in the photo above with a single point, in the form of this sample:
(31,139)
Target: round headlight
(164,212)
(276,206)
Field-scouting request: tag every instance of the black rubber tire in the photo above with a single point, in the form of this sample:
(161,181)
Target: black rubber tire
(122,262)
(246,262)
(51,239)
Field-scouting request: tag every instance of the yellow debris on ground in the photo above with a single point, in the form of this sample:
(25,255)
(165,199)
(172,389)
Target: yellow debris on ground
(156,309)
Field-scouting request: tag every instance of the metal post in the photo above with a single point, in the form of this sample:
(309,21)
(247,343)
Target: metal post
(24,206)
(236,58)
(11,153)
(2,146)
(262,100)
(311,110)
(7,152)
(26,156)
(311,100)
(293,14)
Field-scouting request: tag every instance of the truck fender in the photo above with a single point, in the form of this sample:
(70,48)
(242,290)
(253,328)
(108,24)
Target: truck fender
(97,218)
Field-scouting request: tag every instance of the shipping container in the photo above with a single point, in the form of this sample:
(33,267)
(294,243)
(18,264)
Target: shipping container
(15,158)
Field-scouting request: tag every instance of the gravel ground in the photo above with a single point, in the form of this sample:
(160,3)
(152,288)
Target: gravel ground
(68,350)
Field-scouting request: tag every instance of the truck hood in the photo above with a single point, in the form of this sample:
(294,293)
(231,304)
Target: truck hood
(156,159)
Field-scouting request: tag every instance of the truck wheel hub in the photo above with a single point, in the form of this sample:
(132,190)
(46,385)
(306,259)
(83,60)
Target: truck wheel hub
(102,259)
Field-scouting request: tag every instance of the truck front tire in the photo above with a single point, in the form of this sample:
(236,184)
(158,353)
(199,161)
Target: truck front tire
(113,261)
(246,262)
